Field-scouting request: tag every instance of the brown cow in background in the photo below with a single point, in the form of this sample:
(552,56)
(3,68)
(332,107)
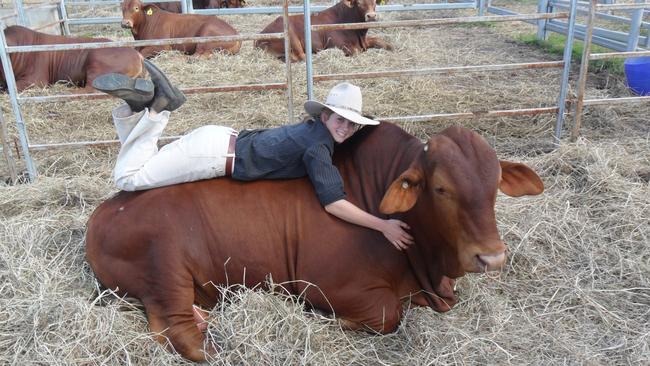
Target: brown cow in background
(150,22)
(80,67)
(175,6)
(171,246)
(350,41)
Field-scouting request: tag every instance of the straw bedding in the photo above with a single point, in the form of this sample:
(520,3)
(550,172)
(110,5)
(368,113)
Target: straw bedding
(575,289)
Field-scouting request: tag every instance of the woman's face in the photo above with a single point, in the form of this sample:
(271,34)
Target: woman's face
(340,128)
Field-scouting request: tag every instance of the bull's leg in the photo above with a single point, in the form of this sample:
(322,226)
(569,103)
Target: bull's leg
(171,313)
(24,83)
(375,42)
(379,312)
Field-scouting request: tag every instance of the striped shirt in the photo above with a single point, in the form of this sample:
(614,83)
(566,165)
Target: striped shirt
(292,151)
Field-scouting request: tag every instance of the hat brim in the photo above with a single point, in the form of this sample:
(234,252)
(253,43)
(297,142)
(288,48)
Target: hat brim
(314,108)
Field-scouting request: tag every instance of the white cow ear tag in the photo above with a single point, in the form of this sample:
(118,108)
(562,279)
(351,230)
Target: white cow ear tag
(426,147)
(149,11)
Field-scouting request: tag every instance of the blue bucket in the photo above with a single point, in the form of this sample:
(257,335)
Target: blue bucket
(637,72)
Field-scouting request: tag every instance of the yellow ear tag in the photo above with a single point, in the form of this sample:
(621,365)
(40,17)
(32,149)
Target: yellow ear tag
(380,2)
(149,11)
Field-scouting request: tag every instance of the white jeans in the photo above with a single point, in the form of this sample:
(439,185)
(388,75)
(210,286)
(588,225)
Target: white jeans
(201,154)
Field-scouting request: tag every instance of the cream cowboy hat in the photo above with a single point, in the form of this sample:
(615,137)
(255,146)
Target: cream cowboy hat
(345,100)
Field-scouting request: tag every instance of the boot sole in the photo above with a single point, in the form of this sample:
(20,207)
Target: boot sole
(118,84)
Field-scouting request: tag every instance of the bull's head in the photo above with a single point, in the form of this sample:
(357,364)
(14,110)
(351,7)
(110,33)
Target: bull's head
(366,8)
(133,12)
(452,189)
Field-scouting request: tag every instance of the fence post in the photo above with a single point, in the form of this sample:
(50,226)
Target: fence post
(190,6)
(308,58)
(542,7)
(184,6)
(635,29)
(481,7)
(63,14)
(13,94)
(6,150)
(568,51)
(22,19)
(584,67)
(287,59)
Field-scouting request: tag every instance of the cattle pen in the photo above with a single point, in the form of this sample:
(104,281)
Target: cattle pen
(574,290)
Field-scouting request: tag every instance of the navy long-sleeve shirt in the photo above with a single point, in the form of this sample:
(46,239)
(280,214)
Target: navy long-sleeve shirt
(292,151)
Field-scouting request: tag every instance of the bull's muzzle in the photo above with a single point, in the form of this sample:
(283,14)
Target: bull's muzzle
(371,16)
(491,262)
(126,23)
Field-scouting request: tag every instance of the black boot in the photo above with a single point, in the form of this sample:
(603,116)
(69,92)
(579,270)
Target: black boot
(136,92)
(166,97)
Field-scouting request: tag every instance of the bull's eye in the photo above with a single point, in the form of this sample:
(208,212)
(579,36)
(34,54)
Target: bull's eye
(136,8)
(405,185)
(439,190)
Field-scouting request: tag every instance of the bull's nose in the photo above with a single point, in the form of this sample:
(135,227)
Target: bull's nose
(371,17)
(126,24)
(492,262)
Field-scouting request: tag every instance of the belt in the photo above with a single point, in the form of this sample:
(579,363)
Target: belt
(230,159)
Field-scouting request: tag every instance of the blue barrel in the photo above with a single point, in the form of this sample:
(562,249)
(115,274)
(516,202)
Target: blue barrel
(637,72)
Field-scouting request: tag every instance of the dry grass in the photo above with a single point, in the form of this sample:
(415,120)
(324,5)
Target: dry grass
(575,290)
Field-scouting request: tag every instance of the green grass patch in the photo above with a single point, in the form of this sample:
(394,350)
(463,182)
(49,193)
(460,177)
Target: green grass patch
(555,45)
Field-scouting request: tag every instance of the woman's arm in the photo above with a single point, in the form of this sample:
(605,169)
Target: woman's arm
(392,229)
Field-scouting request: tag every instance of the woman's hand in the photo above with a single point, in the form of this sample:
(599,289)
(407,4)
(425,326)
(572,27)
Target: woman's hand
(395,231)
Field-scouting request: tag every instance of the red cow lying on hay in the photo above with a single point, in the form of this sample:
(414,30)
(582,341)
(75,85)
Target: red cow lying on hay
(150,22)
(80,67)
(350,41)
(170,246)
(175,6)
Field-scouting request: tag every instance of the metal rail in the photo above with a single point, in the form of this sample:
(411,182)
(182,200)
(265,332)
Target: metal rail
(626,100)
(601,56)
(440,70)
(474,114)
(438,21)
(194,90)
(608,7)
(149,42)
(616,18)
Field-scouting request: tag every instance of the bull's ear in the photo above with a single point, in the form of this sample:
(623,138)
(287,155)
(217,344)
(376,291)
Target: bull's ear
(519,180)
(349,3)
(403,192)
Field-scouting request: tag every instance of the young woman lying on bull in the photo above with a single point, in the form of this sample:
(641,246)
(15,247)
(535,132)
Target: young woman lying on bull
(292,151)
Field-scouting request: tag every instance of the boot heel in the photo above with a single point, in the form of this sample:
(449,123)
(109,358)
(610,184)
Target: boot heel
(143,86)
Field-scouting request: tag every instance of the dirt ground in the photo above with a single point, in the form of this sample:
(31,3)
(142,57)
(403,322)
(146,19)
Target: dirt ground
(575,289)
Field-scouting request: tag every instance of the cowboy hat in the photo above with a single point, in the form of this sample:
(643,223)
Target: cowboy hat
(345,100)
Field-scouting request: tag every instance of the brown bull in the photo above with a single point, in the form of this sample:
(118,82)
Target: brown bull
(170,246)
(350,41)
(175,6)
(80,67)
(150,22)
